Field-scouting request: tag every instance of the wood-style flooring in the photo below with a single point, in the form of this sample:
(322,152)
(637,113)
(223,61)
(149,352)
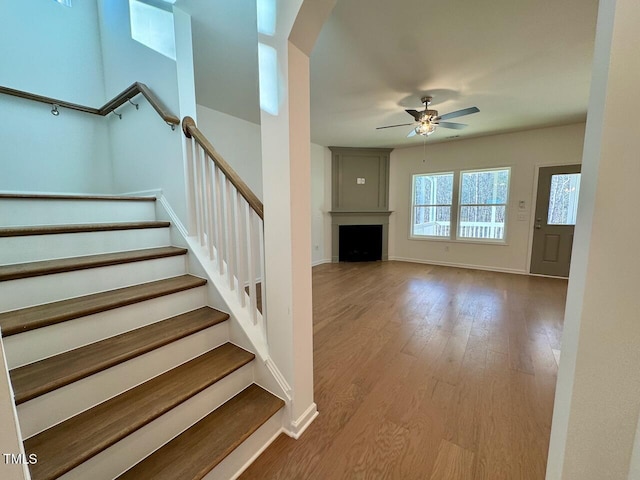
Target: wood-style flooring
(427,373)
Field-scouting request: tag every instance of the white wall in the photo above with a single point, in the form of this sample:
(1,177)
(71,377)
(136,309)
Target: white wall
(146,153)
(238,141)
(320,204)
(597,403)
(522,151)
(52,50)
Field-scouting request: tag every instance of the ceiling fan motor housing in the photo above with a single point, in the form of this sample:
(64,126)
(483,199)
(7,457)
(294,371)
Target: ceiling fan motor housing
(428,114)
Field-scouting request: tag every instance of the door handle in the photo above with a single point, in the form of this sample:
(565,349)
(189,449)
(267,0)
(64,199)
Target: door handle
(538,226)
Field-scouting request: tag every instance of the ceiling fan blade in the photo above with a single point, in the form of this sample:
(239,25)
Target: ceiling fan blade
(415,114)
(455,126)
(458,113)
(412,133)
(392,126)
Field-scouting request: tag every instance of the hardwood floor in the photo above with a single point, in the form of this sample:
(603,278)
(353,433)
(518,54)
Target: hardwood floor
(427,373)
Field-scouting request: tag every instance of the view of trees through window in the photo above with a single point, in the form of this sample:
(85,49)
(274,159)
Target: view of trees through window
(483,201)
(481,207)
(563,199)
(432,204)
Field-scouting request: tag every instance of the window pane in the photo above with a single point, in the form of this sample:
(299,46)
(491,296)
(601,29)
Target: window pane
(153,27)
(563,199)
(431,221)
(482,222)
(489,187)
(433,189)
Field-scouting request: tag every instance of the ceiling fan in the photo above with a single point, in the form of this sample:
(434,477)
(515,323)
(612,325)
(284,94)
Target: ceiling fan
(428,120)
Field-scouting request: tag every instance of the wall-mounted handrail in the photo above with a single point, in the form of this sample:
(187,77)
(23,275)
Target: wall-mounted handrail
(109,107)
(191,131)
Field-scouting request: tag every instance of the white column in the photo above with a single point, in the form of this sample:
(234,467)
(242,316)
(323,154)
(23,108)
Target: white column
(285,132)
(286,191)
(598,391)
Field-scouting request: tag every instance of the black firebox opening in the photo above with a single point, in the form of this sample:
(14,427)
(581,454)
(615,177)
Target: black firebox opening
(360,243)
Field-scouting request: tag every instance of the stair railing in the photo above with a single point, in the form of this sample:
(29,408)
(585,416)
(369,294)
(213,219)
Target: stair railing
(227,218)
(110,107)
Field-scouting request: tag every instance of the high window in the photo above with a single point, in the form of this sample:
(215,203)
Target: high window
(474,202)
(152,26)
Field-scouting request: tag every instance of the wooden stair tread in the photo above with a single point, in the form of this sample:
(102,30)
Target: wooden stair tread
(46,267)
(17,321)
(64,196)
(54,372)
(70,443)
(23,231)
(196,451)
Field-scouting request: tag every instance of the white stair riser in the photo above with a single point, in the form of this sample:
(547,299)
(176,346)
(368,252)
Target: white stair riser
(44,342)
(15,212)
(33,248)
(130,450)
(32,291)
(54,407)
(237,461)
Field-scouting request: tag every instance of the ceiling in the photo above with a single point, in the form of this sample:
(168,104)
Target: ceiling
(525,64)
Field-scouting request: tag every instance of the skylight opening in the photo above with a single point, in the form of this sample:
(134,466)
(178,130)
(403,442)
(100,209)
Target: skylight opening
(268,71)
(153,27)
(266,17)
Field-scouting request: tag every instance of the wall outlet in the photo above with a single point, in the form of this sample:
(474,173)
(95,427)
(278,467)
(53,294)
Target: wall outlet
(522,205)
(360,181)
(522,217)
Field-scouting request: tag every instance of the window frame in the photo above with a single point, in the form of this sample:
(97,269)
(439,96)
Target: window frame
(505,205)
(456,208)
(414,206)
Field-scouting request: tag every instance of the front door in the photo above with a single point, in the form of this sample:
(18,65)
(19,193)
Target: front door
(556,208)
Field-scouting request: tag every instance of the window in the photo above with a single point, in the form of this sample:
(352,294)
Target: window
(563,199)
(483,204)
(473,201)
(432,195)
(152,26)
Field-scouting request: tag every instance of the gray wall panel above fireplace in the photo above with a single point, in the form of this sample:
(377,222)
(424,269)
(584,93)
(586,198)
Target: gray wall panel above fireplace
(350,164)
(357,203)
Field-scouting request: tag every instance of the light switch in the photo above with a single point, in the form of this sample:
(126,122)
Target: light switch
(522,205)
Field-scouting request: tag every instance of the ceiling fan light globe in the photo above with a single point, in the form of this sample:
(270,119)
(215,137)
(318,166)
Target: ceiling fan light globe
(426,129)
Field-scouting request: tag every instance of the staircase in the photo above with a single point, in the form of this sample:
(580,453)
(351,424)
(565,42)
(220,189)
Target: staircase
(119,367)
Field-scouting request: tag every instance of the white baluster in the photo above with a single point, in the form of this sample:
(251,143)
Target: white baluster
(231,264)
(199,199)
(191,194)
(218,219)
(251,249)
(263,289)
(241,248)
(209,196)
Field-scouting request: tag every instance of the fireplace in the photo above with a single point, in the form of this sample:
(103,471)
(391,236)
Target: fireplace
(359,204)
(360,243)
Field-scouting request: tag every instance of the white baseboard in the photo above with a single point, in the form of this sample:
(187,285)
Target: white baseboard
(303,422)
(175,221)
(156,192)
(461,265)
(320,262)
